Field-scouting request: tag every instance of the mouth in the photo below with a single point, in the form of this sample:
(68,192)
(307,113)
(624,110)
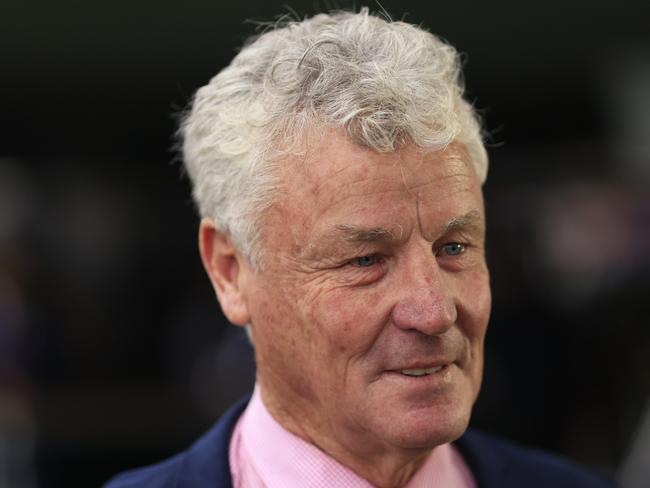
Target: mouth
(418,372)
(423,379)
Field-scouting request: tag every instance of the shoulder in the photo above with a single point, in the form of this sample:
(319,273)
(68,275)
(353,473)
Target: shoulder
(496,462)
(204,464)
(160,475)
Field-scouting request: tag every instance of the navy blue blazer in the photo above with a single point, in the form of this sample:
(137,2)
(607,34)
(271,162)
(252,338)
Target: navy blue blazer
(494,464)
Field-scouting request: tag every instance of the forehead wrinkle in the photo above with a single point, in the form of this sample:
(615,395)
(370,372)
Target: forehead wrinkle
(361,180)
(404,174)
(396,160)
(456,166)
(330,177)
(458,181)
(417,213)
(456,177)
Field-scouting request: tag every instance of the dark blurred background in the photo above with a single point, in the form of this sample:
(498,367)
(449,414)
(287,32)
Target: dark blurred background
(113,351)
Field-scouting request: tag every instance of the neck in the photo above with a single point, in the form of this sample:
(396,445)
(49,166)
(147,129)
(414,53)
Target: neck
(382,465)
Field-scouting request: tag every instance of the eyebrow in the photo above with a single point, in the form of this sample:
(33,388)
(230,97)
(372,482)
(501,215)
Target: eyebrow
(352,233)
(471,221)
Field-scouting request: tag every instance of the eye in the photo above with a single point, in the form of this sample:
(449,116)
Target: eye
(453,249)
(365,261)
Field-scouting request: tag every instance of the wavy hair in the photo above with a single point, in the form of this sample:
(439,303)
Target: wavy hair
(385,83)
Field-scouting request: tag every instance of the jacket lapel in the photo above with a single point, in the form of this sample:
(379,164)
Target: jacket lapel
(483,460)
(206,463)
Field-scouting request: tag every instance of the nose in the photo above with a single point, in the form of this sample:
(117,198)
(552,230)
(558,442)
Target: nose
(426,301)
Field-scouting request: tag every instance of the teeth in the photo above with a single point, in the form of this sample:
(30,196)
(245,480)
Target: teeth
(420,372)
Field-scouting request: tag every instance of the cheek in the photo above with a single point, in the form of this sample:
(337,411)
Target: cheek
(352,321)
(474,314)
(475,302)
(276,326)
(483,307)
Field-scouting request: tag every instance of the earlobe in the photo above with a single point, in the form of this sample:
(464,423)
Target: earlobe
(222,262)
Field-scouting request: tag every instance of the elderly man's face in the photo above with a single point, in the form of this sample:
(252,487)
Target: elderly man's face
(370,312)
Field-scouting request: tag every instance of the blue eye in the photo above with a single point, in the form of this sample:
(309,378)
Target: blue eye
(365,261)
(454,248)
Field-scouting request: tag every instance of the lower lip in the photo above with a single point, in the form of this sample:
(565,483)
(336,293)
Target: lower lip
(439,376)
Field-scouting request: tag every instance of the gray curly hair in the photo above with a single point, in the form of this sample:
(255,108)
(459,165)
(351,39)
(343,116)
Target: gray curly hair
(385,83)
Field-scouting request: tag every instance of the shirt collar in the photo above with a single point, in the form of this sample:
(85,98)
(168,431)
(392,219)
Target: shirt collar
(282,459)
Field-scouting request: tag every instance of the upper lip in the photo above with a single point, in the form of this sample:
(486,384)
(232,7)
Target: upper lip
(424,364)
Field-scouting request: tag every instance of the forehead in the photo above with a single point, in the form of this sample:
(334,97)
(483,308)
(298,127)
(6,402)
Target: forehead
(337,164)
(340,184)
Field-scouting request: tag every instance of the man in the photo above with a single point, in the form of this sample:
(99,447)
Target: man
(338,171)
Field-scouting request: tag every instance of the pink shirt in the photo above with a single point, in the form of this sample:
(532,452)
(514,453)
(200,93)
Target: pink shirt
(263,454)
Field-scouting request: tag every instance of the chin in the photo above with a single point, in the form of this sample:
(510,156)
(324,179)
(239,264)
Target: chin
(430,427)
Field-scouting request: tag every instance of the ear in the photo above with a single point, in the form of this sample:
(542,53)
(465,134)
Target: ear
(224,263)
